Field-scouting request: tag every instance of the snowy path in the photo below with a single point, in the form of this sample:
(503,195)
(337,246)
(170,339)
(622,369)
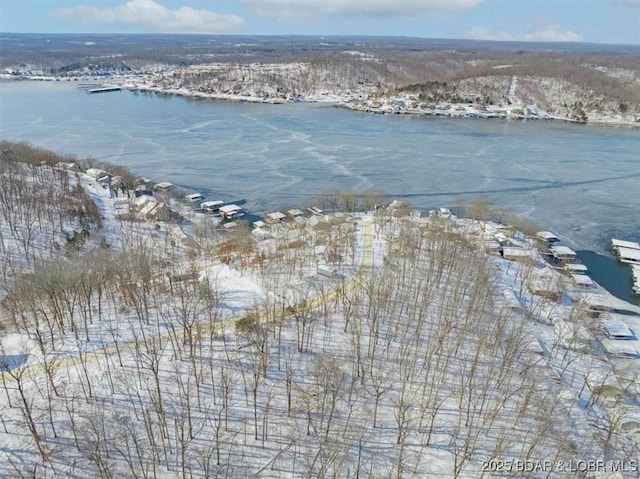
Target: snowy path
(370,254)
(512,88)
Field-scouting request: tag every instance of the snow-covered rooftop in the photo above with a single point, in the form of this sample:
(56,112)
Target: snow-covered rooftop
(562,252)
(616,243)
(576,268)
(617,329)
(629,255)
(547,236)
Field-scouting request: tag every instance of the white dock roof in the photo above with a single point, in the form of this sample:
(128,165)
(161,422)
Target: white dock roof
(629,255)
(576,268)
(227,209)
(163,185)
(194,196)
(616,243)
(582,280)
(617,329)
(211,204)
(547,236)
(560,252)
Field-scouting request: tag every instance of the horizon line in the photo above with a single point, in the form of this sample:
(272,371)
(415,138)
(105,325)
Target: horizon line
(303,35)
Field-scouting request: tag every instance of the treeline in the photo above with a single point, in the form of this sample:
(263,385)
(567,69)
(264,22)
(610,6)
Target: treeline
(44,210)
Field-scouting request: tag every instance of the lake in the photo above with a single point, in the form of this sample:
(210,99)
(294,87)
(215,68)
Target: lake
(580,181)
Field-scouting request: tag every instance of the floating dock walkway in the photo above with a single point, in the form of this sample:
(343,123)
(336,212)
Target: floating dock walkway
(104,89)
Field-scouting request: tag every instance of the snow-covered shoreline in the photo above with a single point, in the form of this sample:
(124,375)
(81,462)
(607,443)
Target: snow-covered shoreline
(363,101)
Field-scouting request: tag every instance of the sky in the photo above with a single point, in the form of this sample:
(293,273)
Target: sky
(596,21)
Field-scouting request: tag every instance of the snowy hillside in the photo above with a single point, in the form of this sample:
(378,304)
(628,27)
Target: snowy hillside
(379,344)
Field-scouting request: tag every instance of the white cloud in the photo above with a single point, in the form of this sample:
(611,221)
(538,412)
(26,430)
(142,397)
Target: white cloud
(549,32)
(305,10)
(149,16)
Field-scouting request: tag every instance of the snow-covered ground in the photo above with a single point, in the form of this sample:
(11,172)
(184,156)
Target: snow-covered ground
(227,355)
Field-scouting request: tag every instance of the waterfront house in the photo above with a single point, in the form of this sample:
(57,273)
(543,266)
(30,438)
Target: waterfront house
(141,201)
(156,211)
(142,190)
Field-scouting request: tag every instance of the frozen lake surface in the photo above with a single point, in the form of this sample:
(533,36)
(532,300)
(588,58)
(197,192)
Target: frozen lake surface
(580,181)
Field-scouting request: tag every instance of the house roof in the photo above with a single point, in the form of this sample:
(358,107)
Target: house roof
(143,200)
(148,207)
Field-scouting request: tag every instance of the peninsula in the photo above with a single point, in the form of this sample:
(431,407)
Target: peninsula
(573,82)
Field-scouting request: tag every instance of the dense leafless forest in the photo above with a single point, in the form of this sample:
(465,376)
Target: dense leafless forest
(130,351)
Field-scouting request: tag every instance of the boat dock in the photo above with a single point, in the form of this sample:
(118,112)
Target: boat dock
(635,277)
(104,89)
(616,244)
(629,252)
